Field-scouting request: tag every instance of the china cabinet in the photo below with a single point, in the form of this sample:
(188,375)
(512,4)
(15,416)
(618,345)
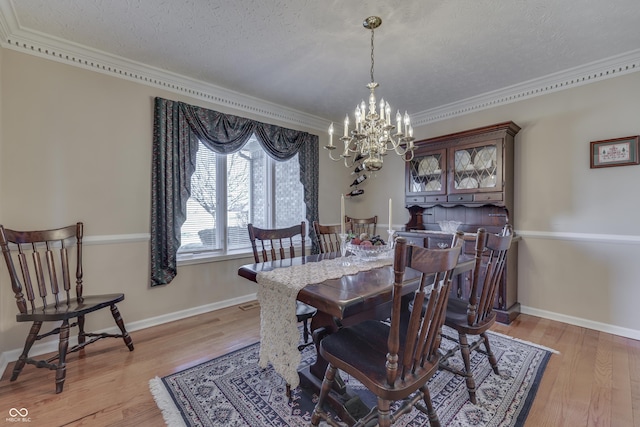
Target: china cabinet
(466,177)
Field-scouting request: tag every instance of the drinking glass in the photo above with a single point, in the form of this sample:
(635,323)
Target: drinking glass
(343,249)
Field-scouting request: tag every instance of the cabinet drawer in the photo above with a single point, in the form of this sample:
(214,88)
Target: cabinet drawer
(439,242)
(414,199)
(460,198)
(487,197)
(416,241)
(435,199)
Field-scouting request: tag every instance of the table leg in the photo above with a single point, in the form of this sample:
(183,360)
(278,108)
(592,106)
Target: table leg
(321,325)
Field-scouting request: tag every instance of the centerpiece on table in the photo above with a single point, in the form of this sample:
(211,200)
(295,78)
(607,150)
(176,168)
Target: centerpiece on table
(367,248)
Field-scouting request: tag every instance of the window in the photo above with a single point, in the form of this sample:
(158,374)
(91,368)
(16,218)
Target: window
(230,191)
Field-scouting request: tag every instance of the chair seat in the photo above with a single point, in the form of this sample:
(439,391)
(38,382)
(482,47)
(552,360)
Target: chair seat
(456,318)
(363,349)
(73,309)
(304,311)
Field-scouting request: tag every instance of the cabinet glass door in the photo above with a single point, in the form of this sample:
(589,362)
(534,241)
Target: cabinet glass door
(476,168)
(427,172)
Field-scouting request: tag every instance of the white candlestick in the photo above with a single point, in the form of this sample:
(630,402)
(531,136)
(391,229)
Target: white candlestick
(390,222)
(388,111)
(346,126)
(331,135)
(342,214)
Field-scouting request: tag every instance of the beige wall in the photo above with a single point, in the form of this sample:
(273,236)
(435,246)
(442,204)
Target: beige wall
(76,145)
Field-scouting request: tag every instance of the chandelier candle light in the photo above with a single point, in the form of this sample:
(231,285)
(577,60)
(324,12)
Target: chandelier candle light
(373,133)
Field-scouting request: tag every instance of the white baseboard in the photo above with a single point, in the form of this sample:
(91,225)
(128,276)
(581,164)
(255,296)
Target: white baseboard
(577,321)
(52,346)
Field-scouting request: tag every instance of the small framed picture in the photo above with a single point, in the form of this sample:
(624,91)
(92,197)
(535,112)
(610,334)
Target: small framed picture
(615,152)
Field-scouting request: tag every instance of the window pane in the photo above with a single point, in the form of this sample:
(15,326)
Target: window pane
(199,230)
(258,189)
(245,192)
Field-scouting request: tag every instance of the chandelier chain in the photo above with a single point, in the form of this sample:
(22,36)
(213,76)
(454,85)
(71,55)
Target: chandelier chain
(372,60)
(373,134)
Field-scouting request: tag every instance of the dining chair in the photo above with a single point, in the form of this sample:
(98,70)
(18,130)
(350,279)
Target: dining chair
(43,291)
(280,244)
(476,315)
(329,236)
(363,225)
(394,360)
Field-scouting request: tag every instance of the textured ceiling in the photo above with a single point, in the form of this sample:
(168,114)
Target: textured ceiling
(313,56)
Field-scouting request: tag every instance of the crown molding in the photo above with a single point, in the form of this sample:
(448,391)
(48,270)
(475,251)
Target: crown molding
(45,46)
(38,44)
(589,73)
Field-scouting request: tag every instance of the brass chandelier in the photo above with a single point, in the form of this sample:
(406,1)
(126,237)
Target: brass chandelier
(373,133)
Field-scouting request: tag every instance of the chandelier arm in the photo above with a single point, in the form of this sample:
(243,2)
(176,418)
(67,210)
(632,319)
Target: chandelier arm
(349,164)
(343,158)
(334,159)
(404,156)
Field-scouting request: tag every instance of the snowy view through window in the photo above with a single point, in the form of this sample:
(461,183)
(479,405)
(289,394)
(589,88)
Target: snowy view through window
(228,192)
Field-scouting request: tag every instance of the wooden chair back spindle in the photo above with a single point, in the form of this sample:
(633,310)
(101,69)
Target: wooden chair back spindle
(362,225)
(329,236)
(276,243)
(422,334)
(44,255)
(490,254)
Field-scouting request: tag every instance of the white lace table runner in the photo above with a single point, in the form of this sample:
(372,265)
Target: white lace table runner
(277,293)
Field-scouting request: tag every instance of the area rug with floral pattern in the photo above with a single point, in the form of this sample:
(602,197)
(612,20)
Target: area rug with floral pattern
(232,390)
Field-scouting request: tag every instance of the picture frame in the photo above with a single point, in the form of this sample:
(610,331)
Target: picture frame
(615,152)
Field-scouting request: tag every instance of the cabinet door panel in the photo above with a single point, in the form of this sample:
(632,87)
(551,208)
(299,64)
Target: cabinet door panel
(426,173)
(476,167)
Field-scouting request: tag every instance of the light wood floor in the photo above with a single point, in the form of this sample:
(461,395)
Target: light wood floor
(594,381)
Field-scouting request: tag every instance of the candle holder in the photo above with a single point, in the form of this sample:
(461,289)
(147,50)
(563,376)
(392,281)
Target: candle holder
(391,242)
(343,249)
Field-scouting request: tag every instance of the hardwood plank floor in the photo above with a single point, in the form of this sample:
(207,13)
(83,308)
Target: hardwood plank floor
(594,381)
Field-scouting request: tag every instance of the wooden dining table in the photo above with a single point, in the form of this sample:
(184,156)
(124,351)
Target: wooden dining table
(342,302)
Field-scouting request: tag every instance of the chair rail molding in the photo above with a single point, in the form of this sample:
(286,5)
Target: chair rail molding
(585,237)
(112,239)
